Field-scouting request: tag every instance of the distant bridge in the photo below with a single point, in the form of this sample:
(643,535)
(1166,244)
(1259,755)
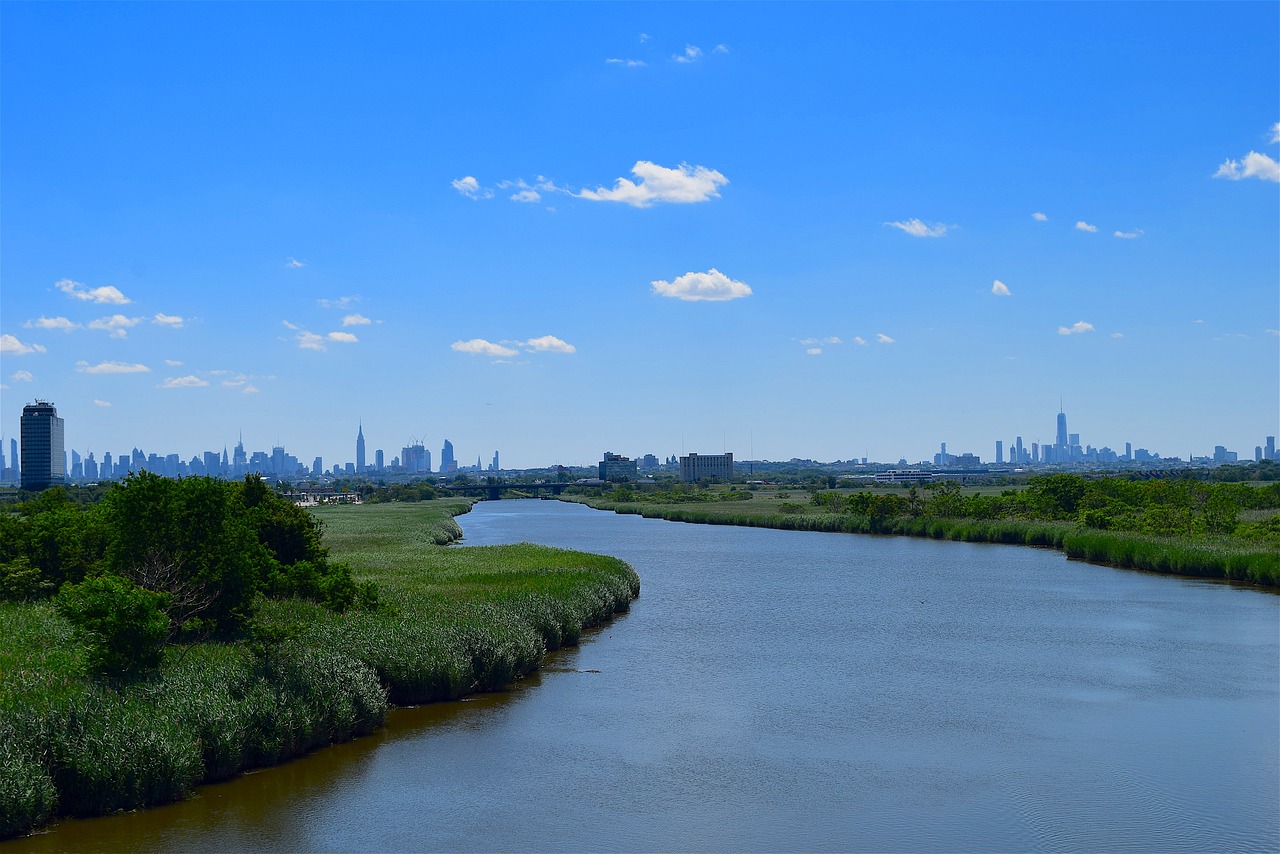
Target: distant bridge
(493,491)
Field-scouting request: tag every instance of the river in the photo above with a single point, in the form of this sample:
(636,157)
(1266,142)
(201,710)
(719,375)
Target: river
(794,691)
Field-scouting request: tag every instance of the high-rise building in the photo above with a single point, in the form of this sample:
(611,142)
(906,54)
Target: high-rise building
(1063,442)
(447,462)
(999,452)
(694,467)
(379,460)
(16,462)
(239,460)
(494,466)
(360,449)
(1271,448)
(77,466)
(43,455)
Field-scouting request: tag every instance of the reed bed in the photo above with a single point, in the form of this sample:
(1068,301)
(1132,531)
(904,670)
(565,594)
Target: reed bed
(450,622)
(1220,557)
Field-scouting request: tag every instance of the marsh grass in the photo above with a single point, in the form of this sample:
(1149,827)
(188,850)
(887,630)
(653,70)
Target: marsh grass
(1221,557)
(450,622)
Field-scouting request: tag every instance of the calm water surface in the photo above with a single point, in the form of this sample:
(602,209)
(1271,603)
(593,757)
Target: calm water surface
(787,691)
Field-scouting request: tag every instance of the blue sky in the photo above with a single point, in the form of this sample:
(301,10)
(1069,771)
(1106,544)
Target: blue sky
(823,231)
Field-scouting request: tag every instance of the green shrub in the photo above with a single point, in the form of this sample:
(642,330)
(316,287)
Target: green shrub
(123,625)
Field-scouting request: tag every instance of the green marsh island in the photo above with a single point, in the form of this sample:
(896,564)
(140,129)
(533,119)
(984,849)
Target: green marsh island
(179,632)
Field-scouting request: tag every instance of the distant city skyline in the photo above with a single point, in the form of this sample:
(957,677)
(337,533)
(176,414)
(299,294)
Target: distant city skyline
(827,230)
(84,463)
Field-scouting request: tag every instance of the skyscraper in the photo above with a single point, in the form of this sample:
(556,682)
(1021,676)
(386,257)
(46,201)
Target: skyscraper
(360,449)
(43,454)
(447,462)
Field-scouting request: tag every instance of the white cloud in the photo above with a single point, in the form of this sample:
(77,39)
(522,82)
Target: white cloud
(340,302)
(117,325)
(1039,217)
(189,381)
(342,337)
(1117,334)
(720,48)
(97,402)
(356,320)
(814,351)
(628,63)
(1272,331)
(61,323)
(859,340)
(173,363)
(812,342)
(711,286)
(884,339)
(294,264)
(1129,235)
(1081,225)
(919,228)
(481,347)
(309,340)
(22,376)
(105,295)
(11,345)
(1000,289)
(1076,328)
(249,389)
(1275,132)
(644,37)
(527,196)
(683,185)
(549,344)
(170,320)
(692,53)
(471,188)
(112,368)
(1255,165)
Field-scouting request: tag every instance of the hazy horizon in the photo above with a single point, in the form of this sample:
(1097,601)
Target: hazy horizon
(821,231)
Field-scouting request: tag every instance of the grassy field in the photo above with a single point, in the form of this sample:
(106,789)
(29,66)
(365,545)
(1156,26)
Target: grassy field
(452,621)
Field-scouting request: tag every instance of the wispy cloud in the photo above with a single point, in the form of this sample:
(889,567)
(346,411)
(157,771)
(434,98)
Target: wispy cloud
(1117,334)
(859,340)
(1254,165)
(481,347)
(1275,132)
(1000,289)
(711,286)
(340,302)
(1039,217)
(105,295)
(814,351)
(919,228)
(471,188)
(884,339)
(117,325)
(173,363)
(356,320)
(112,368)
(628,63)
(549,344)
(1273,332)
(22,376)
(1081,225)
(1129,235)
(812,342)
(720,48)
(683,185)
(97,402)
(527,196)
(342,337)
(11,345)
(172,321)
(294,264)
(189,381)
(691,53)
(61,324)
(1076,328)
(309,340)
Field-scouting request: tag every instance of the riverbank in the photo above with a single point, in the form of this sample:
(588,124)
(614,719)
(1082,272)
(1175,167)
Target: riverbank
(1220,557)
(451,621)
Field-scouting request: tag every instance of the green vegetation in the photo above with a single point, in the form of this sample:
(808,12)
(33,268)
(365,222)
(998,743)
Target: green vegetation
(181,632)
(1179,526)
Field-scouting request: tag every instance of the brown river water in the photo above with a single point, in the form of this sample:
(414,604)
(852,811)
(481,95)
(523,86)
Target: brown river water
(790,691)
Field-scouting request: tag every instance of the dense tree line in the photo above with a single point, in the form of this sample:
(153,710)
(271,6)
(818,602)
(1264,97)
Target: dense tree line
(160,560)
